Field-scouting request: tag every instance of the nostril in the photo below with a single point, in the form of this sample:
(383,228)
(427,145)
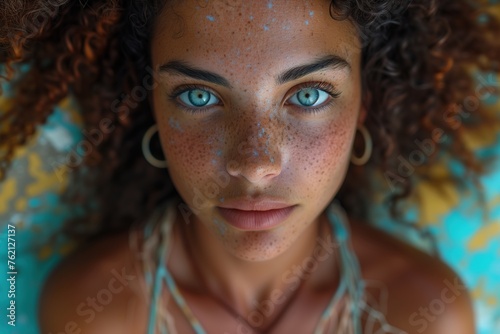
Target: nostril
(254,167)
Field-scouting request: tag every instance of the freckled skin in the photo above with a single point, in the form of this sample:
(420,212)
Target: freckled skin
(254,138)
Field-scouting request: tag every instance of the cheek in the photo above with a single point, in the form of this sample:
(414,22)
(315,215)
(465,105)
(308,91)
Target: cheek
(189,151)
(323,153)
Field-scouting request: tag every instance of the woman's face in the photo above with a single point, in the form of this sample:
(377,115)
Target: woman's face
(256,99)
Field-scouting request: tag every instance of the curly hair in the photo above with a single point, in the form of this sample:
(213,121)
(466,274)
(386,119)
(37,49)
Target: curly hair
(417,60)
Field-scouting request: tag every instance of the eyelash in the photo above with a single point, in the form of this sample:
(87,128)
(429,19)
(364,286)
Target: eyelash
(320,85)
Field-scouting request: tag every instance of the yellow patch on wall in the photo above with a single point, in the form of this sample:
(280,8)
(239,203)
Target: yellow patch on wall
(484,236)
(21,204)
(492,301)
(43,181)
(477,139)
(435,199)
(7,193)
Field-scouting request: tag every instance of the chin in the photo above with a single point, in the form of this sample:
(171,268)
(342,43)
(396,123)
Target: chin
(257,246)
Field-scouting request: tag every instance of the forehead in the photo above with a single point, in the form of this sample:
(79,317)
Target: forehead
(244,35)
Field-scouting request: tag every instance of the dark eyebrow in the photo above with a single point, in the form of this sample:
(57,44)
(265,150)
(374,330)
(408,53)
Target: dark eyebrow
(180,67)
(320,64)
(183,68)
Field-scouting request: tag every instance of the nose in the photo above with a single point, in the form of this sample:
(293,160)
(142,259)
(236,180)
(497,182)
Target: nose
(256,154)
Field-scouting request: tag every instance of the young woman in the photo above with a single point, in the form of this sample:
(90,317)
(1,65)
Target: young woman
(247,213)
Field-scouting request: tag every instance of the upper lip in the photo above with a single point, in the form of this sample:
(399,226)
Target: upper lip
(254,204)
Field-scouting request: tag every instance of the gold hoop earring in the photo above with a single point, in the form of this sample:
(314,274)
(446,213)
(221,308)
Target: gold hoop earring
(360,161)
(147,152)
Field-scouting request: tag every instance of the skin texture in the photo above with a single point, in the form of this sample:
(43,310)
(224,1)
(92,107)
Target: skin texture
(300,158)
(256,138)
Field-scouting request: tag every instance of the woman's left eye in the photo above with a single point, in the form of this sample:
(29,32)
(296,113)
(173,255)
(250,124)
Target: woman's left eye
(314,97)
(309,97)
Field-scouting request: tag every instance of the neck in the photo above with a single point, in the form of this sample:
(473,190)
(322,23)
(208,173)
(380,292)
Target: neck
(245,284)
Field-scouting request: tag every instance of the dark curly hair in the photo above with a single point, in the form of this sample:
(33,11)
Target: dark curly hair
(417,60)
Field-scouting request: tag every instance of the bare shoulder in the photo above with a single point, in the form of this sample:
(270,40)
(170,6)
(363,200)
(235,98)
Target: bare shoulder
(96,289)
(418,293)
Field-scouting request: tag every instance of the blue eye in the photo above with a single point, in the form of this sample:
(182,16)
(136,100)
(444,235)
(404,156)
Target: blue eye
(314,97)
(309,97)
(198,98)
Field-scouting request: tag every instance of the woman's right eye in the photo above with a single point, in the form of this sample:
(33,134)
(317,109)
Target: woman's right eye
(195,98)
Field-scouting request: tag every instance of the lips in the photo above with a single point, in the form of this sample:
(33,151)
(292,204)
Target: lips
(254,204)
(256,219)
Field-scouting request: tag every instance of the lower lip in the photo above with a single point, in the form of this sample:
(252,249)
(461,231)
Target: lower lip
(255,220)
